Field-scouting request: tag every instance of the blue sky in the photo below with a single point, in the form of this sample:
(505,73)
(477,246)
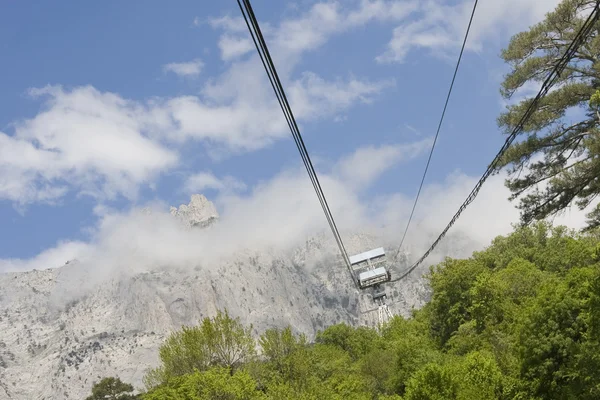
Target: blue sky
(110,105)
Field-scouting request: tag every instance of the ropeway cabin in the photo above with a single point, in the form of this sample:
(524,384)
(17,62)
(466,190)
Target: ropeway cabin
(370,267)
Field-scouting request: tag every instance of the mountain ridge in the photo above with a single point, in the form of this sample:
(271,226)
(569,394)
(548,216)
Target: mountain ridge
(59,332)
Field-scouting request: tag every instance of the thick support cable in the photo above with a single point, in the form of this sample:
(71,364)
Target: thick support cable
(265,57)
(293,127)
(295,130)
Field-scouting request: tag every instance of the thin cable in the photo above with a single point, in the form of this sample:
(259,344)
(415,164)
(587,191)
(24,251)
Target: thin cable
(269,66)
(550,80)
(462,49)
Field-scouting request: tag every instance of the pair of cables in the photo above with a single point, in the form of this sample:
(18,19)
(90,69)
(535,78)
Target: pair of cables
(550,80)
(267,62)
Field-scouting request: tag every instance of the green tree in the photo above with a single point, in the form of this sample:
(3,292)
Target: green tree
(409,348)
(480,377)
(449,307)
(563,154)
(378,366)
(286,359)
(112,389)
(231,343)
(335,370)
(554,336)
(432,382)
(279,344)
(355,341)
(588,360)
(216,383)
(219,341)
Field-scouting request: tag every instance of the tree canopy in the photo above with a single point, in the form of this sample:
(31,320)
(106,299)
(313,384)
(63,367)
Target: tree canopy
(518,320)
(112,388)
(556,162)
(220,341)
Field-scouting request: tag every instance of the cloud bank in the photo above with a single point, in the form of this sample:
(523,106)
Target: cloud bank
(284,212)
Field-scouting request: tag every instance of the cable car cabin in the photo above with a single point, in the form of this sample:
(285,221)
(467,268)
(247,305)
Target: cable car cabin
(373,277)
(370,267)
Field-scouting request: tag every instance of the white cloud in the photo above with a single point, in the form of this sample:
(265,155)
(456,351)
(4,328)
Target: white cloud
(107,146)
(283,212)
(84,138)
(310,30)
(231,24)
(325,19)
(367,163)
(312,95)
(440,26)
(201,181)
(185,69)
(51,258)
(489,215)
(239,112)
(412,129)
(233,47)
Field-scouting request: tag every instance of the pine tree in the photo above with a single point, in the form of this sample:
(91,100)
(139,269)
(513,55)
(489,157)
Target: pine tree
(557,163)
(112,389)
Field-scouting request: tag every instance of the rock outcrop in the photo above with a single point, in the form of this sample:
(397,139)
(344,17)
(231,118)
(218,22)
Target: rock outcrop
(200,212)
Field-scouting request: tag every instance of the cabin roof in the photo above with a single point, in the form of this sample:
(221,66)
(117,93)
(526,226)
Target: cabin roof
(378,252)
(372,273)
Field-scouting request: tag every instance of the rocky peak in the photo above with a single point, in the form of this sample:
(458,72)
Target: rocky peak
(200,212)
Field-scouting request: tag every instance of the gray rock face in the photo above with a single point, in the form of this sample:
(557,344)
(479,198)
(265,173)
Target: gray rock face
(55,349)
(200,212)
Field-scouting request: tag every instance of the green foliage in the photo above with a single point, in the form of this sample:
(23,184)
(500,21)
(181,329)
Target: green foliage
(530,301)
(559,152)
(355,341)
(216,383)
(451,282)
(221,341)
(432,382)
(595,100)
(288,359)
(112,389)
(278,345)
(553,333)
(480,376)
(519,320)
(410,347)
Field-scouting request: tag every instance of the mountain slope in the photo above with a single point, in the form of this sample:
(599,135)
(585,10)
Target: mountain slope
(55,340)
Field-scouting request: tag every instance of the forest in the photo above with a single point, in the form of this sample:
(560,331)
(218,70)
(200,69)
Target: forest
(518,320)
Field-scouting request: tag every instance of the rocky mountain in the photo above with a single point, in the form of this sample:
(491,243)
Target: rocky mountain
(199,213)
(54,346)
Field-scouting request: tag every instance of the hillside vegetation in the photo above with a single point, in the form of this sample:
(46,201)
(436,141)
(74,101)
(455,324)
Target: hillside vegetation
(519,320)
